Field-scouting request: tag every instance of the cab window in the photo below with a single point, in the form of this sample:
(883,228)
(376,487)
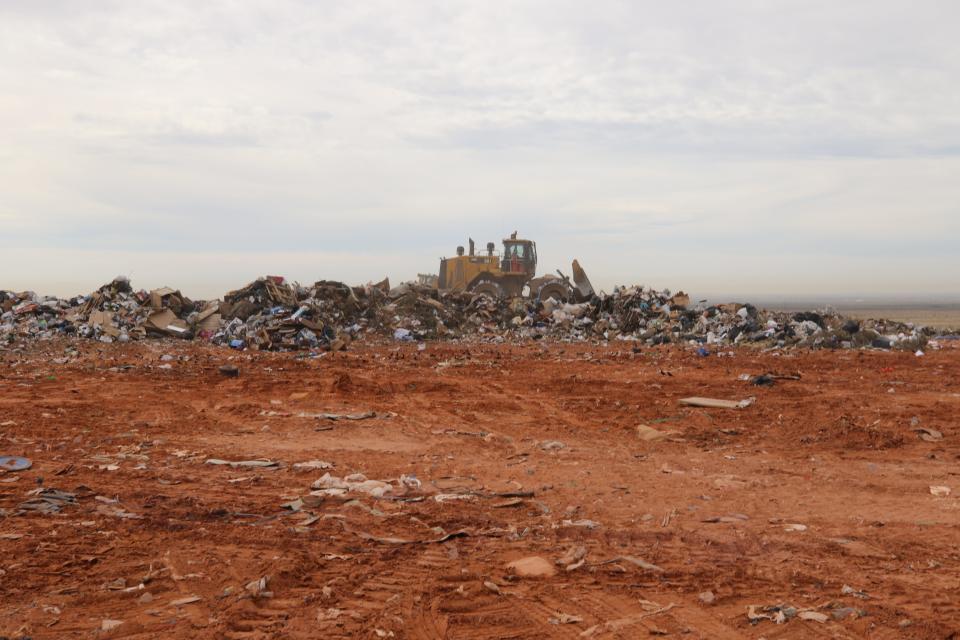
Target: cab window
(517,250)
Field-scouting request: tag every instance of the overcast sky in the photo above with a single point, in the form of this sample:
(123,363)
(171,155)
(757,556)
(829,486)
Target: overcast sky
(748,147)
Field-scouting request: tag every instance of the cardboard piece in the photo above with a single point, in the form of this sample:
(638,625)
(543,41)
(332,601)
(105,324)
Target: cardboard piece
(209,324)
(166,321)
(711,403)
(649,434)
(208,311)
(208,320)
(681,300)
(100,318)
(157,295)
(104,320)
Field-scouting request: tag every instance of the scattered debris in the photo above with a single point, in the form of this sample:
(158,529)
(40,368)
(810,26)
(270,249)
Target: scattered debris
(258,588)
(14,463)
(622,623)
(552,445)
(333,486)
(410,482)
(312,465)
(110,625)
(328,614)
(48,500)
(333,417)
(637,562)
(813,616)
(230,371)
(711,403)
(939,491)
(117,512)
(729,482)
(779,613)
(733,517)
(243,463)
(402,541)
(649,434)
(843,613)
(763,381)
(565,618)
(930,435)
(847,590)
(574,558)
(582,523)
(769,379)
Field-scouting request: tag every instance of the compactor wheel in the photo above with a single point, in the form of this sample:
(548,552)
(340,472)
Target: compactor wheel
(488,287)
(557,290)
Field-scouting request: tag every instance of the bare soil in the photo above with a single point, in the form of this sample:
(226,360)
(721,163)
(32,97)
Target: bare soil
(522,451)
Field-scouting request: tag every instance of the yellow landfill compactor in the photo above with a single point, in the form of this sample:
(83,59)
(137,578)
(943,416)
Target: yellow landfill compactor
(509,273)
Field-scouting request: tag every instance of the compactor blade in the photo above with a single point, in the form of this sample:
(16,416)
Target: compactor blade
(584,288)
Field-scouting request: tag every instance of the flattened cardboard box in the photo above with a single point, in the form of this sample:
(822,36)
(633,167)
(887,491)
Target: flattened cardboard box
(166,321)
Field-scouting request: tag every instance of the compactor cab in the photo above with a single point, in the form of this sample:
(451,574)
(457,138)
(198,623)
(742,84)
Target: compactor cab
(519,256)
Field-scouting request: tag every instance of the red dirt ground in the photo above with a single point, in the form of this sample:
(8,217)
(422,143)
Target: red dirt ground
(708,509)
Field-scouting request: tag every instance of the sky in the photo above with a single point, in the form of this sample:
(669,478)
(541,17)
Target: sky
(796,147)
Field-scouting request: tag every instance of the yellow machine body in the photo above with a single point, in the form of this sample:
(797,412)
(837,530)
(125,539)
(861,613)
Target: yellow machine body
(495,273)
(509,273)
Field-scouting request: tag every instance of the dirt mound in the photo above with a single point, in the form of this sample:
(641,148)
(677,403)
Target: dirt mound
(851,432)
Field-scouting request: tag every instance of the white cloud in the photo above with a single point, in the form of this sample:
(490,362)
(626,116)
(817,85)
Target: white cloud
(775,144)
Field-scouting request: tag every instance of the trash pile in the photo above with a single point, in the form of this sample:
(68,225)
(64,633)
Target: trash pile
(657,317)
(114,312)
(273,314)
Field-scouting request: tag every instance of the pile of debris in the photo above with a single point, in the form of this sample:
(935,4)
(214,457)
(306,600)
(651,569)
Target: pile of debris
(273,314)
(114,312)
(658,317)
(269,313)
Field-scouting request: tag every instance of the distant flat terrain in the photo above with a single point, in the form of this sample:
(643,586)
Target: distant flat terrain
(940,318)
(946,316)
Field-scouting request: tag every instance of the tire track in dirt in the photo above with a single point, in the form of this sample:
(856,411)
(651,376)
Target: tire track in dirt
(383,598)
(897,541)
